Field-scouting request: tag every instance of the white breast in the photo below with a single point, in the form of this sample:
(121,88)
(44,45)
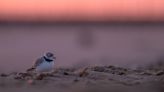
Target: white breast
(45,67)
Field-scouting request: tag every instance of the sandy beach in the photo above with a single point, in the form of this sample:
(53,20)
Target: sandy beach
(87,79)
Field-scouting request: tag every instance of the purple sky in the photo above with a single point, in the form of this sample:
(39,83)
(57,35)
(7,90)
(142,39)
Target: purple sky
(20,46)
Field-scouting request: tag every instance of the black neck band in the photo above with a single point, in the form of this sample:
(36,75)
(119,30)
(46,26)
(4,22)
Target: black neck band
(48,60)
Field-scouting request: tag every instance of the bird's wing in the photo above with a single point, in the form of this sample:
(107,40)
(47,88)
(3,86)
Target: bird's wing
(38,62)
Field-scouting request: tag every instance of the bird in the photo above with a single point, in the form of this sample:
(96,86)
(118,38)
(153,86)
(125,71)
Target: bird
(44,63)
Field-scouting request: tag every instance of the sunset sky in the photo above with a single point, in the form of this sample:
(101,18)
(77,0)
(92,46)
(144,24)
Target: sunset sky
(135,10)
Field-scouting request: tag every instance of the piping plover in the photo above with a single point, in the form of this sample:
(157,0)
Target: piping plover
(44,63)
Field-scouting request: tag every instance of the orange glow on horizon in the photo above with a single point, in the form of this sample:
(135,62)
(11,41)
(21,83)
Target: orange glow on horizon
(82,9)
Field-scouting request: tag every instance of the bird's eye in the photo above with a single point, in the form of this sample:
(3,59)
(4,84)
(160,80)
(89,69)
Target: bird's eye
(49,55)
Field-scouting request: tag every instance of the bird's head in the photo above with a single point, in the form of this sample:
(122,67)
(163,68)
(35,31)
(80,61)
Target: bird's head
(49,56)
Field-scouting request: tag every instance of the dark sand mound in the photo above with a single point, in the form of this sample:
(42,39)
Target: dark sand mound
(88,79)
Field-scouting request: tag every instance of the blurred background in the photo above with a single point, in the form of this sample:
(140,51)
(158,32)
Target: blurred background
(81,32)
